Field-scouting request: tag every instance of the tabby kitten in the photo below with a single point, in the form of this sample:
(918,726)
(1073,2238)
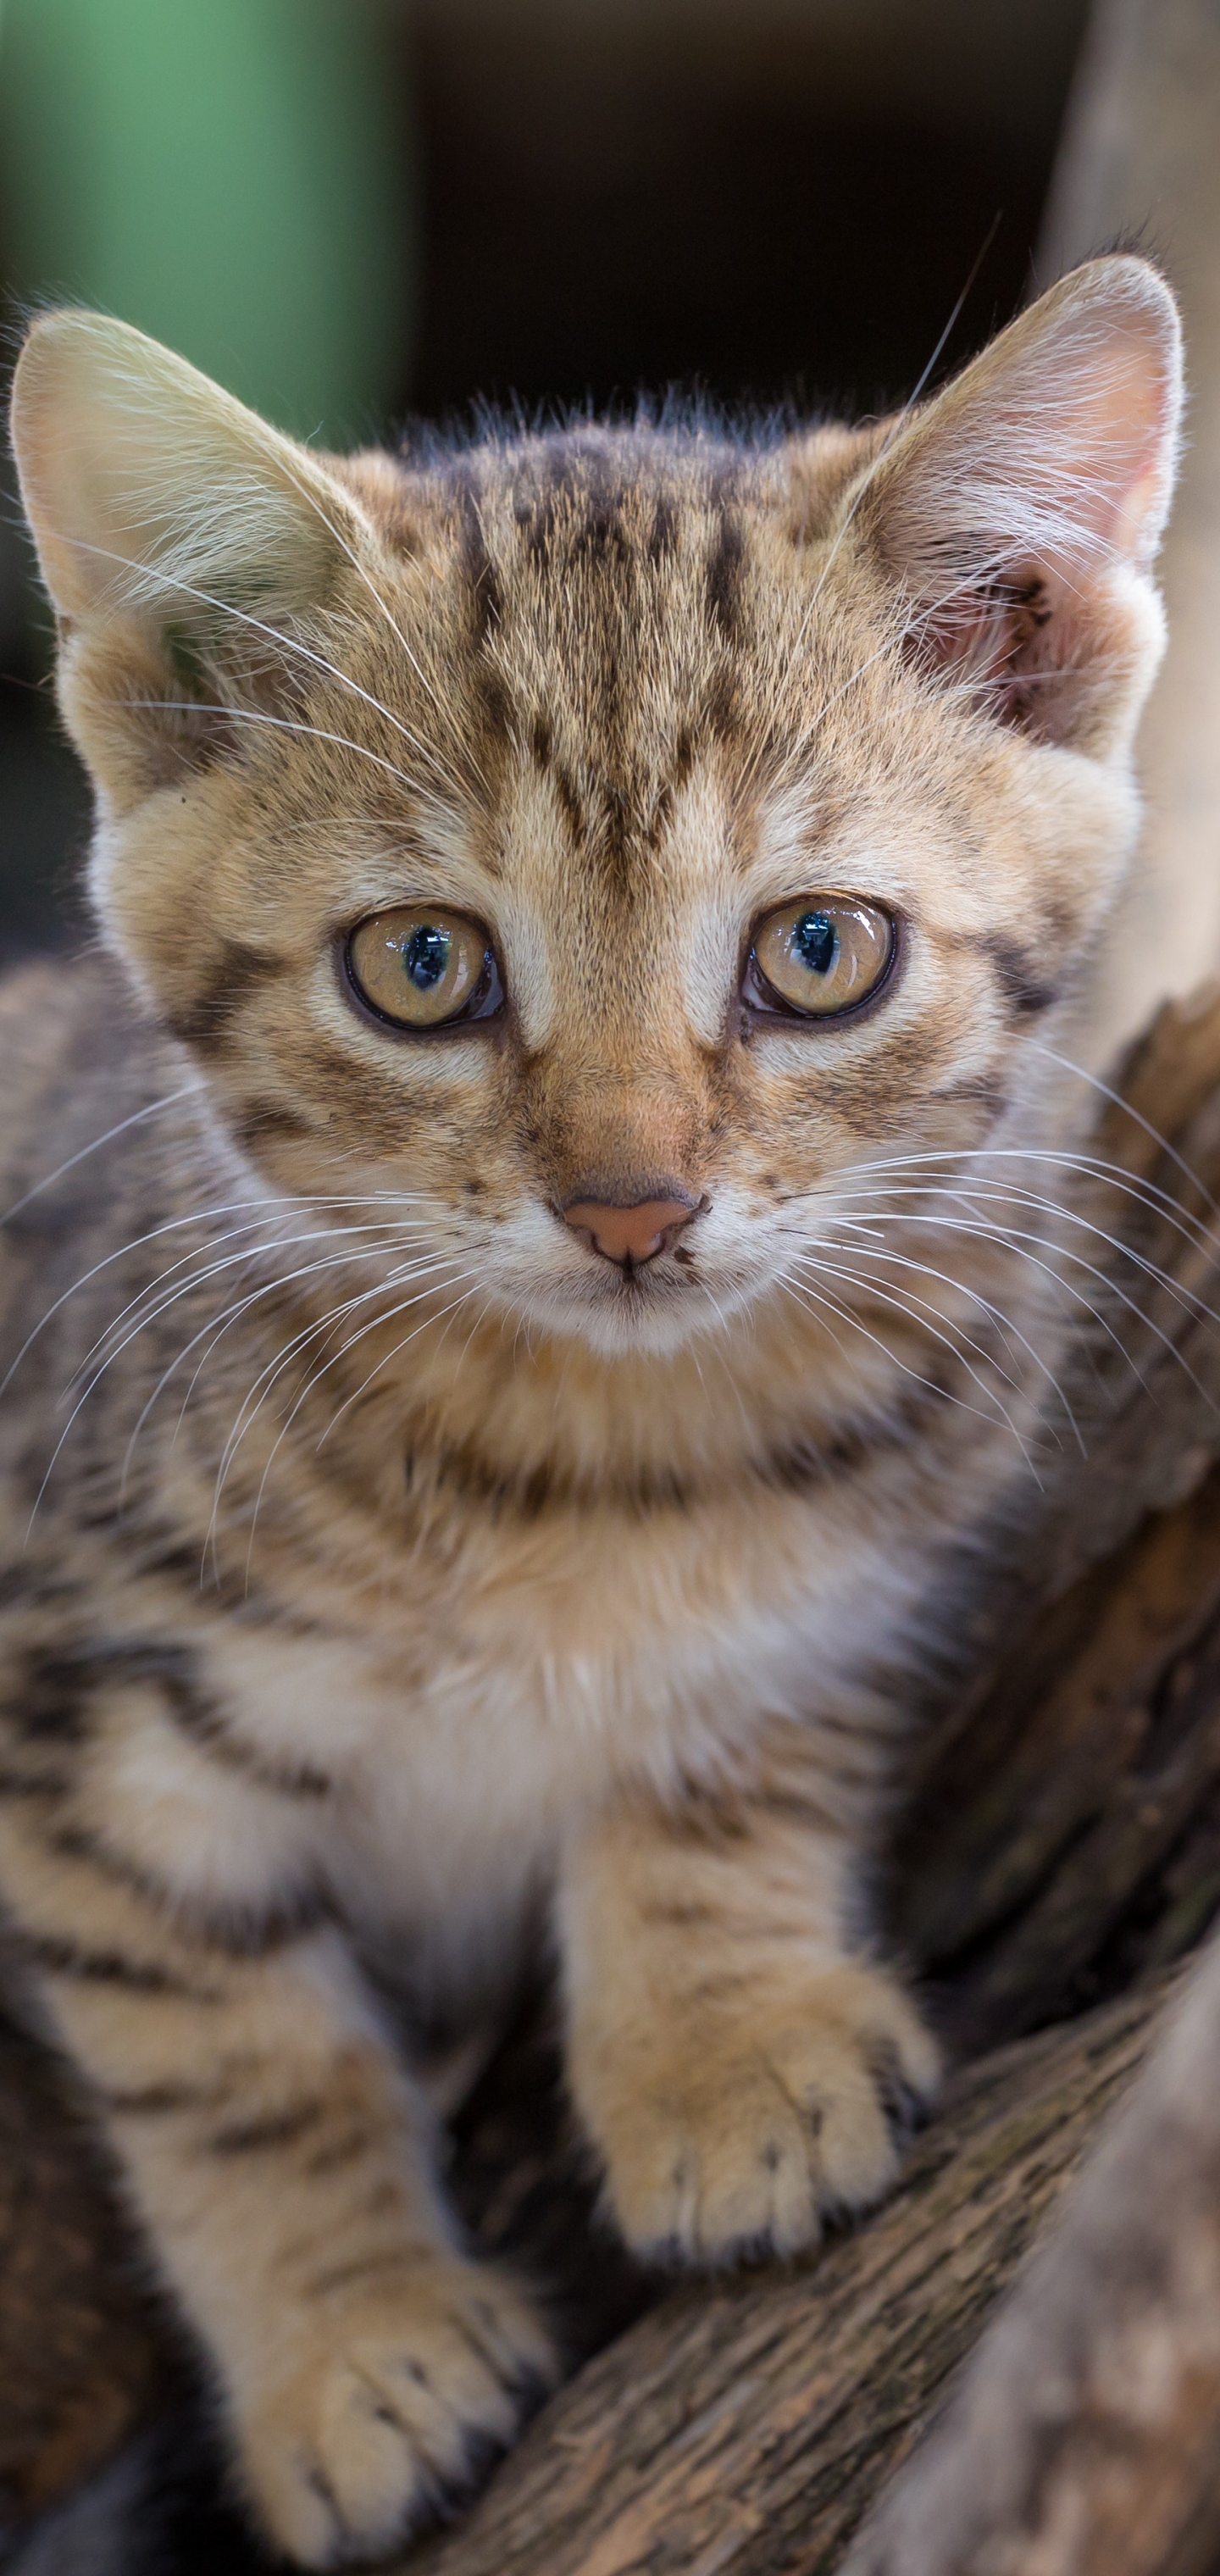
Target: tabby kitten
(528,1262)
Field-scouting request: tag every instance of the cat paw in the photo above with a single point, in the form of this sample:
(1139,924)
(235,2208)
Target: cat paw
(391,2411)
(736,2128)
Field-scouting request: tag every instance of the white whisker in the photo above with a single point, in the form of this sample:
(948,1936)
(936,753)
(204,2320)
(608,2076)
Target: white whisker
(1117,1101)
(279,724)
(151,1110)
(931,1386)
(221,1322)
(282,641)
(1005,1323)
(916,1310)
(463,1279)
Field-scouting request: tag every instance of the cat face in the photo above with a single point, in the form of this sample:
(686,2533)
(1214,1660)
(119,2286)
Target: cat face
(602,846)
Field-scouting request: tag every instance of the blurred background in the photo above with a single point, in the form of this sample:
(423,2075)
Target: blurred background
(353,212)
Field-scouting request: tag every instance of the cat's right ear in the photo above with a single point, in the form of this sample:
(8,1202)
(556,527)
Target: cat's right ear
(179,537)
(1019,512)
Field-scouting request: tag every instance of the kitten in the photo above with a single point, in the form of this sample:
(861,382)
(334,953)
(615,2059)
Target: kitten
(529,1254)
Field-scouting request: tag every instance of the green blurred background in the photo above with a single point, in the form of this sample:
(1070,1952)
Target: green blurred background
(357,213)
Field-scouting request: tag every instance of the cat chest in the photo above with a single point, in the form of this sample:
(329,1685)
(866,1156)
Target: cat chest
(425,1748)
(486,1709)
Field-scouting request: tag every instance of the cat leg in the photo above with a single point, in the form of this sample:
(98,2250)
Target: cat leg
(738,2072)
(279,2160)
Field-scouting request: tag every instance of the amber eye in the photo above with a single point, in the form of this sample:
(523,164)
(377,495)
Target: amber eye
(819,956)
(423,967)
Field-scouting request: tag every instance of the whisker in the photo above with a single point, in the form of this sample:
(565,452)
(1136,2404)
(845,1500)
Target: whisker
(931,1385)
(211,1270)
(272,1371)
(1182,1295)
(279,724)
(910,1308)
(1005,1323)
(371,1326)
(1117,1101)
(365,1383)
(278,637)
(1143,1192)
(265,1207)
(172,1225)
(267,1289)
(220,1323)
(151,1110)
(1008,1238)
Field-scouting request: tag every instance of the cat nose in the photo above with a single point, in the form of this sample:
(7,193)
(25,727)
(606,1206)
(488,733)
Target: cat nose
(630,1233)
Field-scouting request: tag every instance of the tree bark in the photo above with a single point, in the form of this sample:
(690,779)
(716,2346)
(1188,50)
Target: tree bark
(743,2428)
(1085,2439)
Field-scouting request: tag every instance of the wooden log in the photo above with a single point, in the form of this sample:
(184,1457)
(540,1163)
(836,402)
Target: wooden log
(743,2427)
(1085,2438)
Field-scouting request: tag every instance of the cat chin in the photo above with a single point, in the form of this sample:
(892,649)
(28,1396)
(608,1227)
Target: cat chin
(628,1324)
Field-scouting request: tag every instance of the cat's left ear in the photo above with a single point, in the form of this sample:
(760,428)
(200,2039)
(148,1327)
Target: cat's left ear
(180,538)
(1020,513)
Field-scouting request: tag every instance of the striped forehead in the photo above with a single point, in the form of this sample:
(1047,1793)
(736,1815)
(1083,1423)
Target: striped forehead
(622,643)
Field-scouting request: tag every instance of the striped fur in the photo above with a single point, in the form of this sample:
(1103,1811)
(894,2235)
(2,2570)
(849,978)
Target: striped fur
(390,1585)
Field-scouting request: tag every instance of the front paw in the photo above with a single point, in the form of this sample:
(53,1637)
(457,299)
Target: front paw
(735,2125)
(390,2409)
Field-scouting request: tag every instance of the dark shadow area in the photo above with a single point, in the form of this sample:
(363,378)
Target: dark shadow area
(761,246)
(44,825)
(44,796)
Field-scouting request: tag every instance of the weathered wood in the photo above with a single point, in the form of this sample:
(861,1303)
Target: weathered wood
(1085,2438)
(743,2428)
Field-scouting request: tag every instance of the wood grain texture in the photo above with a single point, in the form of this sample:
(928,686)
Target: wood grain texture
(1085,2438)
(744,2427)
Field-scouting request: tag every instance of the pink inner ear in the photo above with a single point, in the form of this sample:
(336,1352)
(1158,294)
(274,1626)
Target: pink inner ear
(1055,448)
(1117,456)
(1007,511)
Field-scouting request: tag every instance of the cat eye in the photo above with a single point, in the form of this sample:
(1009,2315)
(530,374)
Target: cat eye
(423,967)
(819,957)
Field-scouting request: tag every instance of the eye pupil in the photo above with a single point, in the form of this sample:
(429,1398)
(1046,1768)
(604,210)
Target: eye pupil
(815,941)
(425,955)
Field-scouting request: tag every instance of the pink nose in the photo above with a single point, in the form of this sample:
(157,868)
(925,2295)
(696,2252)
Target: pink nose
(629,1233)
